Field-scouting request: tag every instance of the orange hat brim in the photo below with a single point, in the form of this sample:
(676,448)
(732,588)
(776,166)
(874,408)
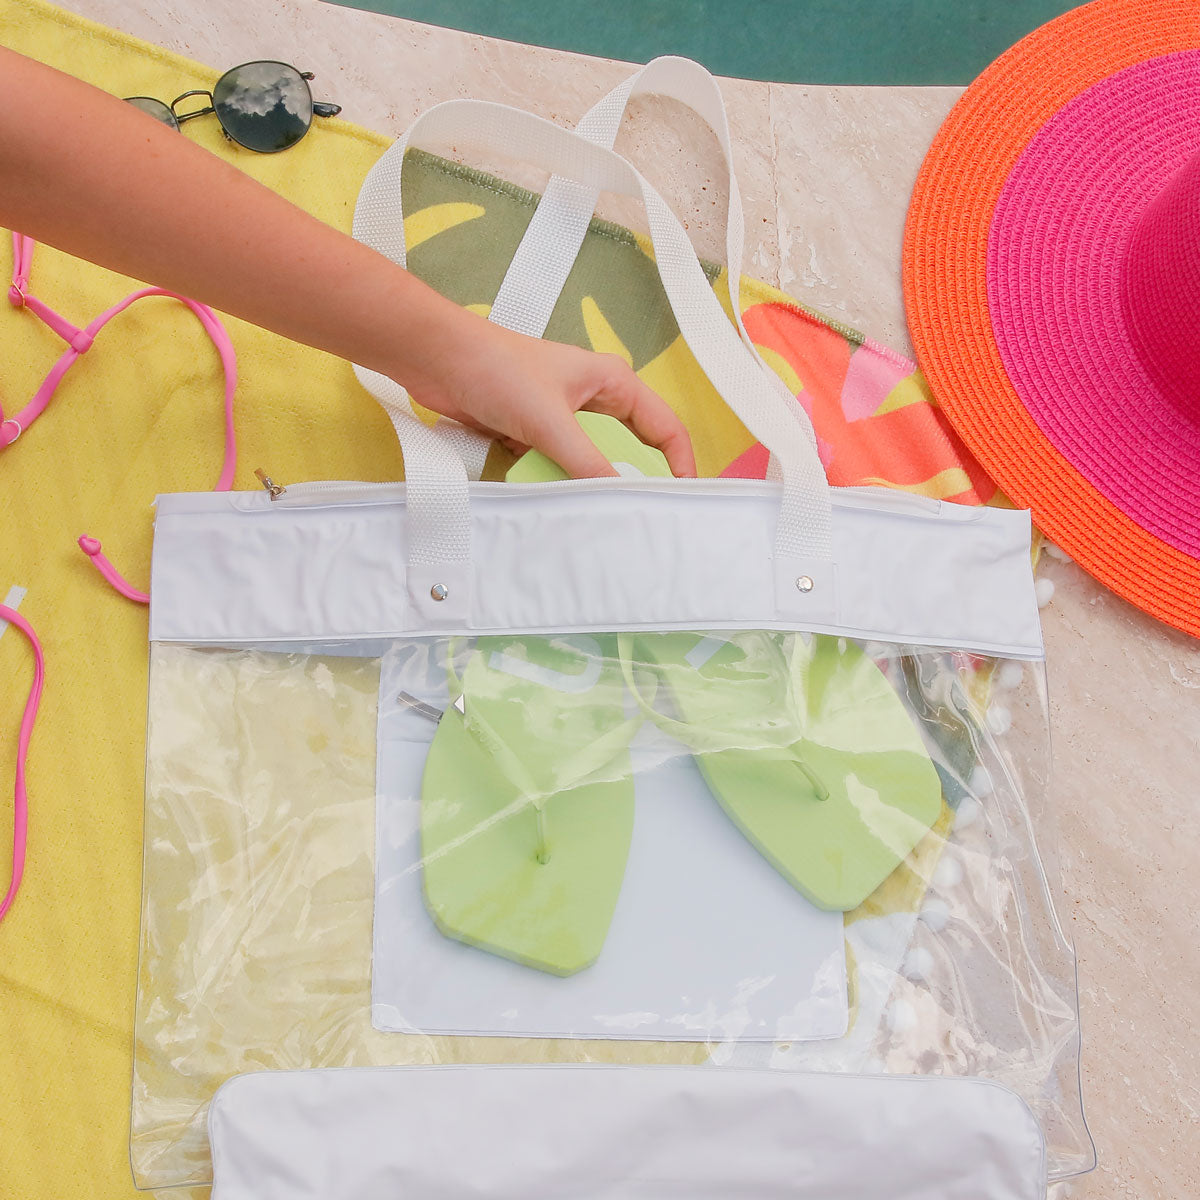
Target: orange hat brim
(945,288)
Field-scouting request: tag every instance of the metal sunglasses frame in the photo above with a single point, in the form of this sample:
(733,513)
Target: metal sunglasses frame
(319,108)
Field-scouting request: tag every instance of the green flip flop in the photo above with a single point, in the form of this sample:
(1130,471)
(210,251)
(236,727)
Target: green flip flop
(527,801)
(805,745)
(619,444)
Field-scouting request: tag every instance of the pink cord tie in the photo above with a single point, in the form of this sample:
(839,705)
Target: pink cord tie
(91,547)
(20,797)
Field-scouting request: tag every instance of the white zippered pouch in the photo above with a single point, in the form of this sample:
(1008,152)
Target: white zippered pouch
(619,1133)
(586,555)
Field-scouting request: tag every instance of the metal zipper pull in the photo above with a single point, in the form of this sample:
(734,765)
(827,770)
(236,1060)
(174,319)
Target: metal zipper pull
(275,489)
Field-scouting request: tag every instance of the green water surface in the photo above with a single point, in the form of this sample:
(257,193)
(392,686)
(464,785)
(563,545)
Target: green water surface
(793,41)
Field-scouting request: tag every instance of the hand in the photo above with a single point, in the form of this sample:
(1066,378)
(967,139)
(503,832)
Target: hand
(525,392)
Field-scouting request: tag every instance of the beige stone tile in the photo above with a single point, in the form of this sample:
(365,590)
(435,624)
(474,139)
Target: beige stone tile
(384,72)
(1125,712)
(846,161)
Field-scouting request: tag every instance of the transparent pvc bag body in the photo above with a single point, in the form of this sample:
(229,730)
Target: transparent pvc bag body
(627,772)
(270,869)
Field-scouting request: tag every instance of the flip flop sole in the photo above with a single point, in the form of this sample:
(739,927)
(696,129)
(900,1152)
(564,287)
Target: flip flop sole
(836,851)
(483,882)
(855,736)
(527,801)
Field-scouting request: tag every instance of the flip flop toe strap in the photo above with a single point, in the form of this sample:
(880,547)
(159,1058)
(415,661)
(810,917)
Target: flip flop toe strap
(701,740)
(585,763)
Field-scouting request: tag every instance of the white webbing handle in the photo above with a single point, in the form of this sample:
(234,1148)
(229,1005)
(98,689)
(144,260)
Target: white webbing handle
(543,261)
(437,478)
(539,269)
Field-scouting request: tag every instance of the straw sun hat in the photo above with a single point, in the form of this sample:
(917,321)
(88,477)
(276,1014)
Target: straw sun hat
(1052,282)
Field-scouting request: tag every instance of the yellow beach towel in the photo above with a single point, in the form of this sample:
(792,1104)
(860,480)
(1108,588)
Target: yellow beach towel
(139,414)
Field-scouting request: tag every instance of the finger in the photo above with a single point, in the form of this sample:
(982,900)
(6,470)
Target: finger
(565,442)
(624,396)
(513,446)
(470,422)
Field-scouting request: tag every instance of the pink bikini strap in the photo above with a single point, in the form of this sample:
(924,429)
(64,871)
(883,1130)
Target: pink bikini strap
(20,798)
(19,297)
(79,340)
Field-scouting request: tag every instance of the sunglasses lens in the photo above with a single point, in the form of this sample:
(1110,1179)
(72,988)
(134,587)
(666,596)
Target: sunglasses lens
(154,108)
(264,106)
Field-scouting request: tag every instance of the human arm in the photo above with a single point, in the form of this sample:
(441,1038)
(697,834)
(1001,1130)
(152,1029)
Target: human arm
(83,171)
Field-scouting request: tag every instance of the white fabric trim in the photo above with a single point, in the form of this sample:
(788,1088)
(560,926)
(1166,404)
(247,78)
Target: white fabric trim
(619,1133)
(327,562)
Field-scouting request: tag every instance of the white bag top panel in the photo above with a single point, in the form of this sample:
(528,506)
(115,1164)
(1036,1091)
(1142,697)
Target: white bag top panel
(619,1133)
(328,562)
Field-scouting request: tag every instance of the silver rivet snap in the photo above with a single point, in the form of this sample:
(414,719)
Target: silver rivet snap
(805,583)
(439,591)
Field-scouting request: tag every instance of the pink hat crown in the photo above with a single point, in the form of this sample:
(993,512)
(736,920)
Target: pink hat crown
(1160,288)
(1093,286)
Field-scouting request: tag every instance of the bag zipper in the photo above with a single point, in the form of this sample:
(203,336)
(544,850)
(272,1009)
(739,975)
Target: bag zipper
(333,491)
(275,490)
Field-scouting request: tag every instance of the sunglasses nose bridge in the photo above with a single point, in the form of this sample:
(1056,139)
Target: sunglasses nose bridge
(198,112)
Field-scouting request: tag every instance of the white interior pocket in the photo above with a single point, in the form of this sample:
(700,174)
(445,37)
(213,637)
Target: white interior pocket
(708,943)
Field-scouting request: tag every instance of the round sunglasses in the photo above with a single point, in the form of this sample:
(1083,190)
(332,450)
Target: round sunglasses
(264,106)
